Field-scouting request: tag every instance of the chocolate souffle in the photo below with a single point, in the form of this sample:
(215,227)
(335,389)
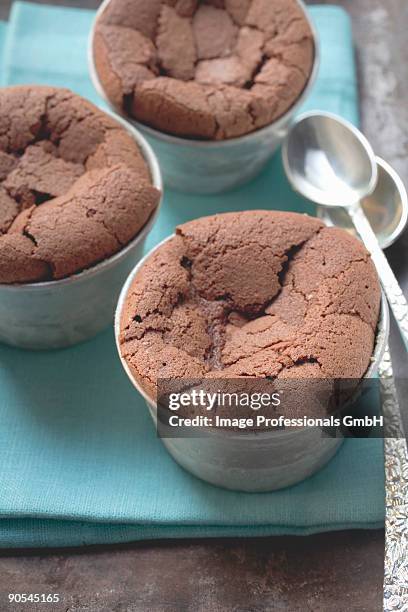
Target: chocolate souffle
(212,69)
(74,187)
(259,294)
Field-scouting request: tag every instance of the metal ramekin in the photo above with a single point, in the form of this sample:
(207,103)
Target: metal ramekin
(252,462)
(208,167)
(56,314)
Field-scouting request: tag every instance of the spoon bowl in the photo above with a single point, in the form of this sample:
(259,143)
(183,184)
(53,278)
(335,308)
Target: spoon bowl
(328,160)
(386,208)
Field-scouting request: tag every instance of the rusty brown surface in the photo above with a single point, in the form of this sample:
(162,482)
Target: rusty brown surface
(324,573)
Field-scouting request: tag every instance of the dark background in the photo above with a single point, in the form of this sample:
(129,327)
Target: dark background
(327,573)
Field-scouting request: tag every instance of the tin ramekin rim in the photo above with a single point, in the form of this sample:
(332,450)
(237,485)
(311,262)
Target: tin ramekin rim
(210,144)
(381,336)
(157,181)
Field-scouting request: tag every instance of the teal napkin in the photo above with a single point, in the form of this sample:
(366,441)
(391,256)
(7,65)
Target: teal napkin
(3,30)
(80,462)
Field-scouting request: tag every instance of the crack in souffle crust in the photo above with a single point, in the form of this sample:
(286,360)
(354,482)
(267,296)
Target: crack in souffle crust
(74,187)
(254,294)
(211,69)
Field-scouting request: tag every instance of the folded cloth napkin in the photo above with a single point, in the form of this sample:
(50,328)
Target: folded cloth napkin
(3,31)
(80,462)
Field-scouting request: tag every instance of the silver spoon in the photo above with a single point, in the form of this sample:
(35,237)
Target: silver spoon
(330,162)
(386,208)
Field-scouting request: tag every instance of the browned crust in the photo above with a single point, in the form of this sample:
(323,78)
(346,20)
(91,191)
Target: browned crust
(74,186)
(284,293)
(221,69)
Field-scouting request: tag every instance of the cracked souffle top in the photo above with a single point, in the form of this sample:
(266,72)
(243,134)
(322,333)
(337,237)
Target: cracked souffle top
(210,69)
(261,294)
(74,187)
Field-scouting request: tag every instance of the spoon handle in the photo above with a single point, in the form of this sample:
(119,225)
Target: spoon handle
(396,489)
(390,284)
